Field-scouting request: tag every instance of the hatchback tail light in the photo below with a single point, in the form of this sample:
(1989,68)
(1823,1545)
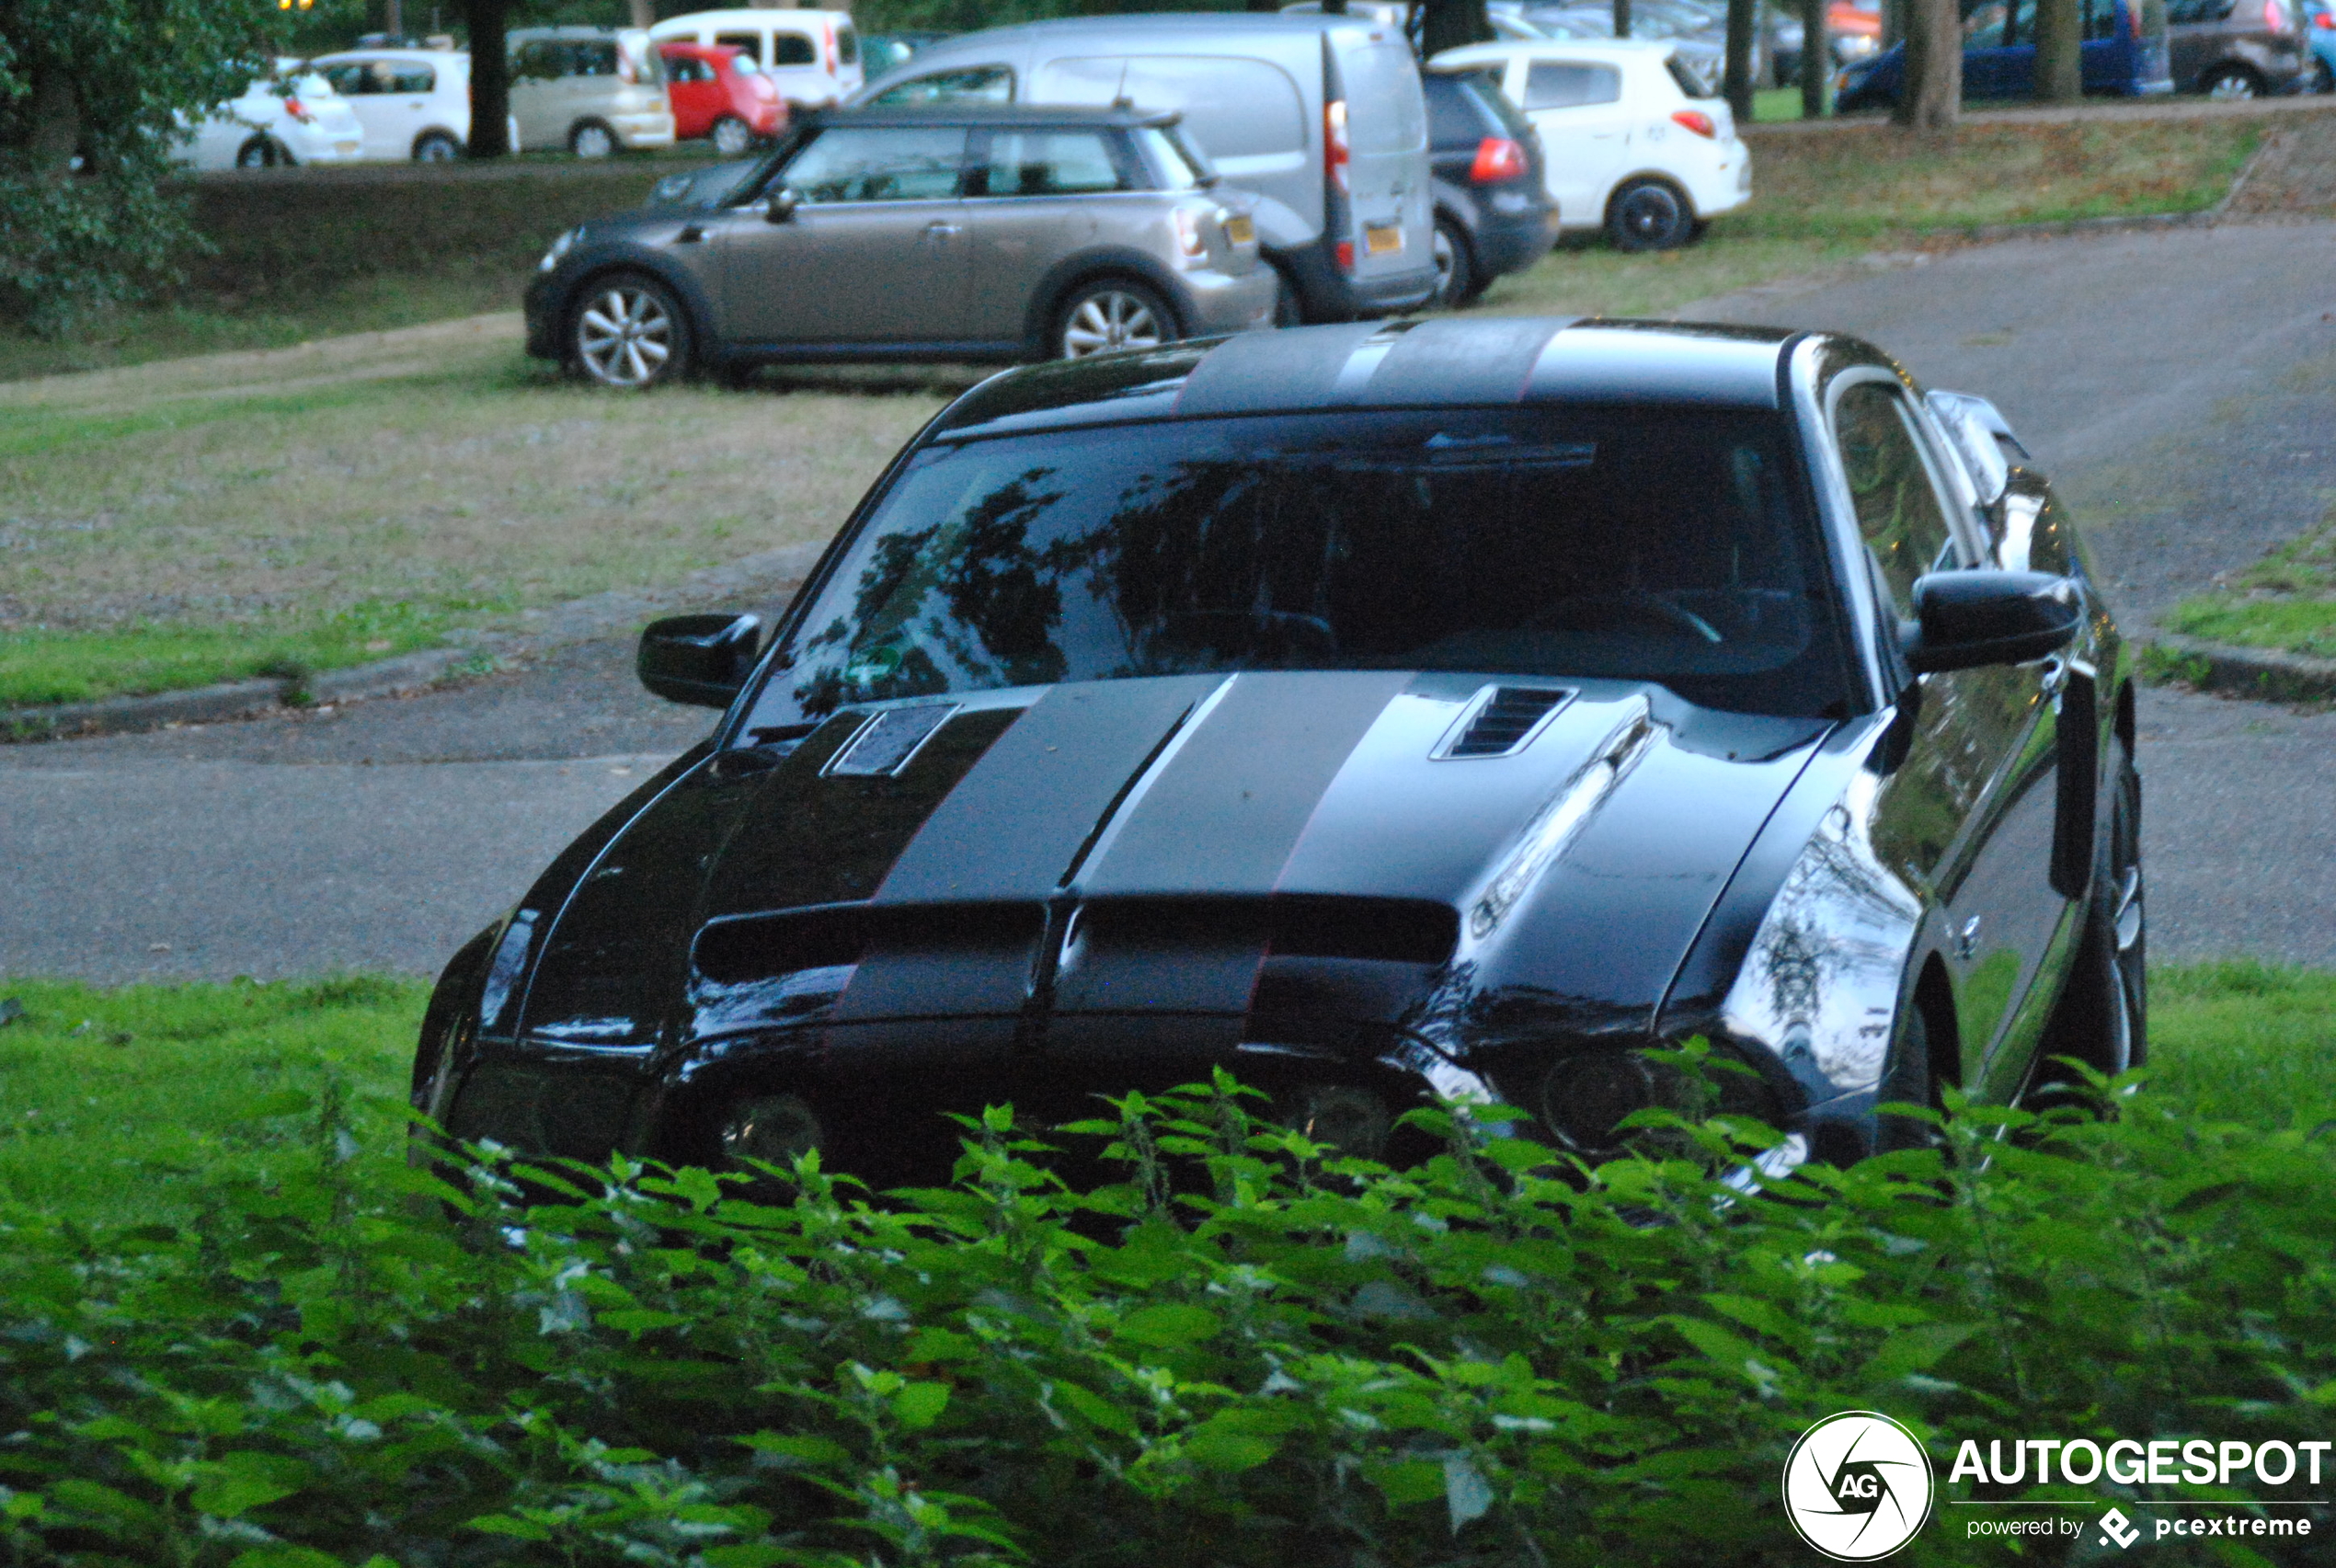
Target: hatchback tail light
(1191,244)
(2324,20)
(1335,150)
(1497,158)
(298,110)
(1346,256)
(1701,124)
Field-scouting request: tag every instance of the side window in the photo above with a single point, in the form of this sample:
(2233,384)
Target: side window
(349,79)
(851,163)
(978,83)
(1453,117)
(415,79)
(1233,108)
(749,45)
(791,48)
(1048,163)
(1550,84)
(847,46)
(538,58)
(1898,511)
(596,59)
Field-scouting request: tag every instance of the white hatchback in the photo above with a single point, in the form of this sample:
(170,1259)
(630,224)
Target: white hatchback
(289,117)
(414,103)
(1636,142)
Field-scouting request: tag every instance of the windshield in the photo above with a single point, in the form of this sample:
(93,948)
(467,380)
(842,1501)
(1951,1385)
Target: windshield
(1637,544)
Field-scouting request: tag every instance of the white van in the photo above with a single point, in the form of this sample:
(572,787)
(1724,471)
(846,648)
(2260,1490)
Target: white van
(1322,115)
(414,103)
(812,57)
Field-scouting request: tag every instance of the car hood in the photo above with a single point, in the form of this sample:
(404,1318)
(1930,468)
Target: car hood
(700,189)
(1272,852)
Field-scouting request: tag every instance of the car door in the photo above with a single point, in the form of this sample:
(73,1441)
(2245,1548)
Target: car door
(539,69)
(794,67)
(873,253)
(1998,47)
(1576,108)
(1969,808)
(1030,200)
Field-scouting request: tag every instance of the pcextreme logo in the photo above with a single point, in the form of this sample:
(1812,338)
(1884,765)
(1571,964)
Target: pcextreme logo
(1858,1486)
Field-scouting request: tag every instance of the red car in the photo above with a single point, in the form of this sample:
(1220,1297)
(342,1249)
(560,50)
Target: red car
(711,97)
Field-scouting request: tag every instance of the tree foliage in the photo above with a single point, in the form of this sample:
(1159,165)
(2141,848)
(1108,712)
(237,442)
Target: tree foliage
(90,92)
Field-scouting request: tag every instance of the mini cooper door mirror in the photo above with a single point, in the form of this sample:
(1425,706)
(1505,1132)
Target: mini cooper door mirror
(1971,618)
(700,659)
(780,205)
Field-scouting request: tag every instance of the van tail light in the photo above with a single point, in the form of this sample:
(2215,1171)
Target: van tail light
(1346,256)
(1335,152)
(1696,121)
(298,110)
(2132,19)
(1497,158)
(827,46)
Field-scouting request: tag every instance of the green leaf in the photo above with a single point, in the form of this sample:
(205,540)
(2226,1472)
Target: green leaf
(282,1554)
(803,1450)
(503,1524)
(745,1554)
(921,1404)
(1407,1481)
(641,1320)
(1169,1326)
(1214,1447)
(1915,1349)
(242,1481)
(1093,1407)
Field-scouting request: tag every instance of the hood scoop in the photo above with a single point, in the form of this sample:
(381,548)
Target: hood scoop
(1501,722)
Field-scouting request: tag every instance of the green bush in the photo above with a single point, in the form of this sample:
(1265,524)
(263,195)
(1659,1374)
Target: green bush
(1246,1352)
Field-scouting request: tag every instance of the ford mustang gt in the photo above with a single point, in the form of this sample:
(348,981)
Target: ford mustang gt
(1383,712)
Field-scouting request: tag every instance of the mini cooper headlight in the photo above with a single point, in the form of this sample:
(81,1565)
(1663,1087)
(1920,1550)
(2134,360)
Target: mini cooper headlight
(1586,1096)
(774,1130)
(559,248)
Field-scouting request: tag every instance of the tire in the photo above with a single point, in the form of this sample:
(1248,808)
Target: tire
(591,139)
(256,154)
(2231,84)
(1456,283)
(436,147)
(732,137)
(628,332)
(1111,313)
(1907,1083)
(1649,215)
(2102,1018)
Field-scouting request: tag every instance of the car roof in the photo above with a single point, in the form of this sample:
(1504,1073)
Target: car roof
(1268,22)
(991,114)
(1572,48)
(752,16)
(1439,361)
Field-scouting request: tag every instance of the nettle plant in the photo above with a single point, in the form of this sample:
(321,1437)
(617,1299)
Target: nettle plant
(1248,1351)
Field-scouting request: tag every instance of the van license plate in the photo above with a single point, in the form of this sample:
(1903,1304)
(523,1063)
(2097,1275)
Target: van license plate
(1379,241)
(1240,231)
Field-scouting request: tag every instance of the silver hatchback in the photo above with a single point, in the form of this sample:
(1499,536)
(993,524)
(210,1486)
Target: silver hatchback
(969,232)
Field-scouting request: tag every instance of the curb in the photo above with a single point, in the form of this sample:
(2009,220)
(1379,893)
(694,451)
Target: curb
(2266,675)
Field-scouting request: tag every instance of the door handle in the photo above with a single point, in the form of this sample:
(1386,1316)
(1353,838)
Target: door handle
(942,231)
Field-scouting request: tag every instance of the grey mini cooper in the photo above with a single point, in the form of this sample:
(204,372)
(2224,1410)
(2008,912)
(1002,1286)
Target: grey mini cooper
(970,232)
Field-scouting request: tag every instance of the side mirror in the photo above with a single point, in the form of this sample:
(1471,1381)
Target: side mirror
(1967,619)
(700,659)
(780,205)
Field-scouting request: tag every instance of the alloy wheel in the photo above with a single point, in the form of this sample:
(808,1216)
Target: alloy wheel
(2231,87)
(625,337)
(1110,319)
(592,142)
(732,137)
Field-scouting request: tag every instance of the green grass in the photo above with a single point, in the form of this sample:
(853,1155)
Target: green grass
(41,666)
(2287,600)
(124,1104)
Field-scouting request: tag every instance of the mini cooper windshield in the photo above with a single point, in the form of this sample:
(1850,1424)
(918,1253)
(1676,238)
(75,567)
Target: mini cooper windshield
(1672,546)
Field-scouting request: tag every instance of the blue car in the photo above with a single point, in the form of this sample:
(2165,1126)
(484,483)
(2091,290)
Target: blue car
(2320,32)
(2125,55)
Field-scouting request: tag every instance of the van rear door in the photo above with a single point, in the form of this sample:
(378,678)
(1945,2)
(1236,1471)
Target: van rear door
(1390,216)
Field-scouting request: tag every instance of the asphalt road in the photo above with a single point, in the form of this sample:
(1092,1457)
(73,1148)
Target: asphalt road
(2181,385)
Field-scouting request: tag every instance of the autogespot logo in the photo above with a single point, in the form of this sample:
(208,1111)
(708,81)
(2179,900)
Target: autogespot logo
(1858,1486)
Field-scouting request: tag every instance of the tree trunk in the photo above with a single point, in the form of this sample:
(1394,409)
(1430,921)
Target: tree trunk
(490,77)
(1451,24)
(1932,96)
(2059,63)
(644,12)
(393,20)
(1621,19)
(1816,58)
(1741,17)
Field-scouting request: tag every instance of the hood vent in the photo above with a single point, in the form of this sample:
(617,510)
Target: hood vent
(1502,721)
(889,739)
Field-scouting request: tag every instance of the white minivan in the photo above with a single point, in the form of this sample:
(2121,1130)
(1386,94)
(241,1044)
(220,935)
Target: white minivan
(812,57)
(1322,115)
(1636,141)
(414,103)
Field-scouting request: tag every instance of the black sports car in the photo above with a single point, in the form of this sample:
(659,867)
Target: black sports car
(1380,711)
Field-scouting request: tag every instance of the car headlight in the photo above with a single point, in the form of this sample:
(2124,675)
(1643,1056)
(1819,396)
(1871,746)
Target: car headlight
(559,248)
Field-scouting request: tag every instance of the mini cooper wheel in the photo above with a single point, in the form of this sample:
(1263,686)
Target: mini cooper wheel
(591,139)
(2230,83)
(732,137)
(1648,214)
(256,154)
(1456,283)
(436,147)
(1110,315)
(629,332)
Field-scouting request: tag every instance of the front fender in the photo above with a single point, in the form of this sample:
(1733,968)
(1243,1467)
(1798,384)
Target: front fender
(587,264)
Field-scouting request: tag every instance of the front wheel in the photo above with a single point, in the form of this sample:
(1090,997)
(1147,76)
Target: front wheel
(1647,215)
(732,137)
(2232,83)
(1110,315)
(629,333)
(2323,78)
(591,139)
(1456,283)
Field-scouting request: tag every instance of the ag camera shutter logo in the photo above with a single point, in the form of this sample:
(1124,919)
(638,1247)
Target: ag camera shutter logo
(1858,1486)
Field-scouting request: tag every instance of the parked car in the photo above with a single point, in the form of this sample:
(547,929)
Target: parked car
(1708,55)
(1383,718)
(716,101)
(1634,141)
(2237,49)
(2319,36)
(812,57)
(1321,116)
(880,53)
(589,89)
(414,103)
(289,116)
(1853,30)
(1494,214)
(973,233)
(2125,54)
